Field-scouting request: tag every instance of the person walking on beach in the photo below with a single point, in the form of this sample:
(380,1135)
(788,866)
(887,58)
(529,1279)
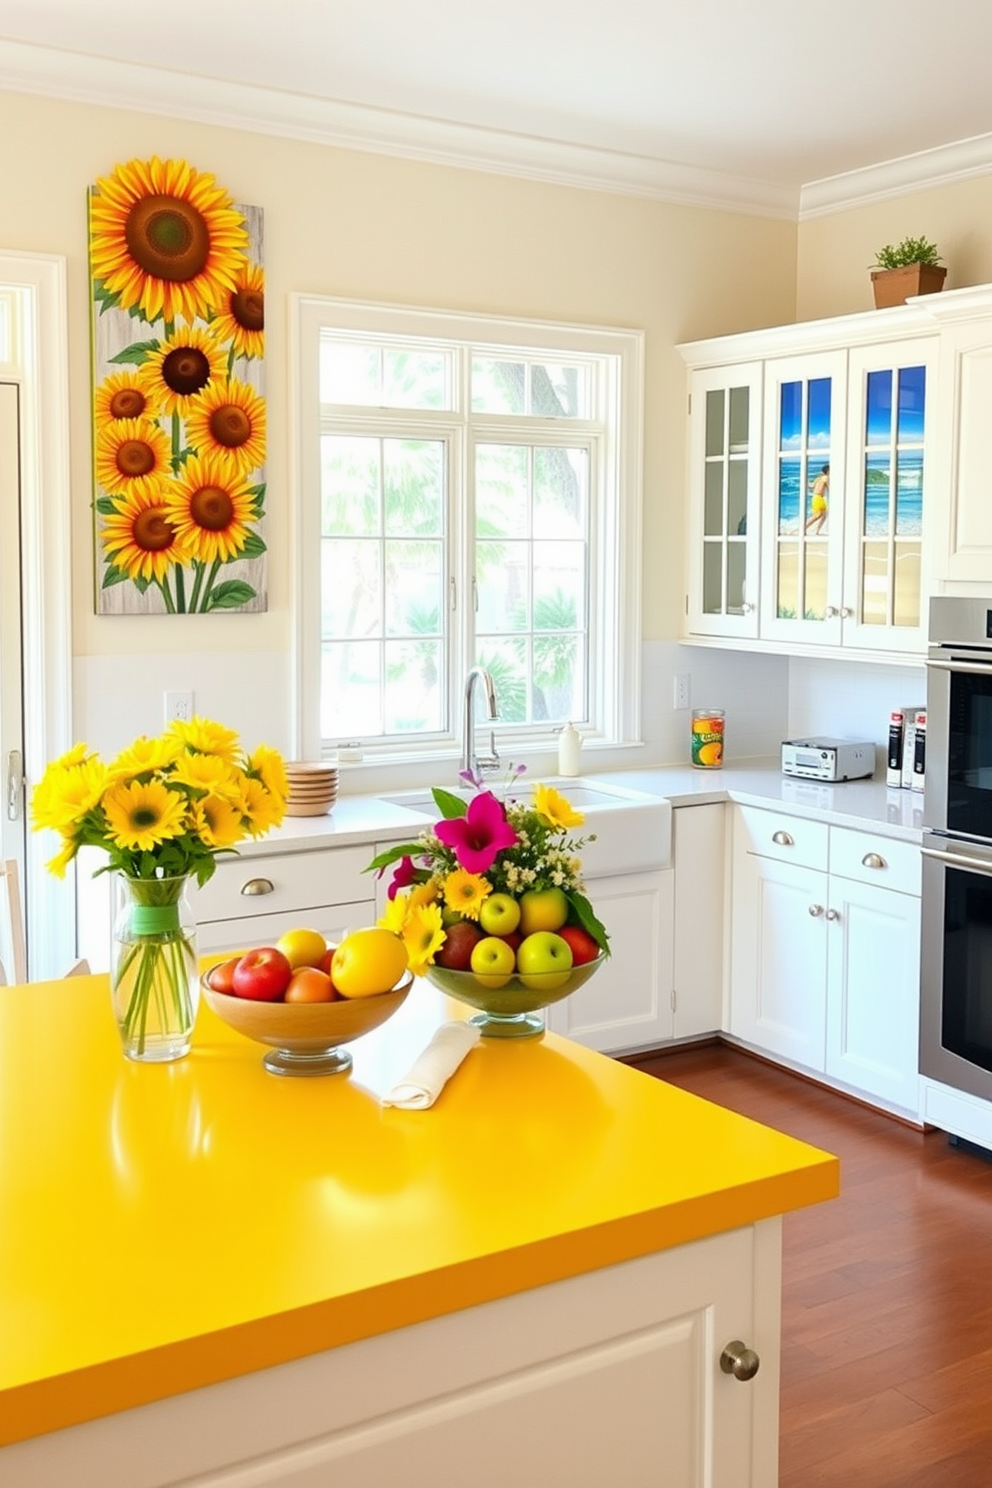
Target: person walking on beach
(818,501)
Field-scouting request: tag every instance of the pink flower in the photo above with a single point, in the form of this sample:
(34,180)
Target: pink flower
(478,837)
(404,874)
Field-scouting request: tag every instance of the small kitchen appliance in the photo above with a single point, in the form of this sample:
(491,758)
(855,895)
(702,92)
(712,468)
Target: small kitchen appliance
(828,759)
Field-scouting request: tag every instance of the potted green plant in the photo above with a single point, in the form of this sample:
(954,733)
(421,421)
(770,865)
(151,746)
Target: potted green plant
(911,267)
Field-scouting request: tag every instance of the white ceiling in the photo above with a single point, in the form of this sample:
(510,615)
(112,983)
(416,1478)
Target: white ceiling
(770,94)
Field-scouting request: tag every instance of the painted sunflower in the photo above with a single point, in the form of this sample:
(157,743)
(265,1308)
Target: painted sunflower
(165,239)
(140,538)
(228,419)
(121,396)
(211,508)
(132,455)
(239,319)
(181,367)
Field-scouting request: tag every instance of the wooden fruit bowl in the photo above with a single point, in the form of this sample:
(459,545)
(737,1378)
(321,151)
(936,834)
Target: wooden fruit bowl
(305,1036)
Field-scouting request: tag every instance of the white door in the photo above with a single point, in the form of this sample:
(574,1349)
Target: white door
(779,973)
(11,720)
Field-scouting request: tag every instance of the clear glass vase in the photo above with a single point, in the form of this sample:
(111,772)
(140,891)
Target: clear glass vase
(154,981)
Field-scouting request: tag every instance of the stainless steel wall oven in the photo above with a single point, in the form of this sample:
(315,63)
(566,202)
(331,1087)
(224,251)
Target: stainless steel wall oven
(956,962)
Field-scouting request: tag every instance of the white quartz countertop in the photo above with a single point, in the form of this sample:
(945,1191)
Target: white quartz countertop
(865,804)
(861,804)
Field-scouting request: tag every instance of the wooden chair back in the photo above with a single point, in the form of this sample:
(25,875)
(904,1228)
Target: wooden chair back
(10,895)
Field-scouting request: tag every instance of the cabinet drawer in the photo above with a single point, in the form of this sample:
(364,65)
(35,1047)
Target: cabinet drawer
(788,839)
(285,883)
(875,860)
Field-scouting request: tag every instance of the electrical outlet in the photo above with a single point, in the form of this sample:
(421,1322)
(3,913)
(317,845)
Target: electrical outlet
(178,707)
(681,699)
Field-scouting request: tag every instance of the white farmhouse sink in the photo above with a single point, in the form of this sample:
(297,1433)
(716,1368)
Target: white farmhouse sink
(632,830)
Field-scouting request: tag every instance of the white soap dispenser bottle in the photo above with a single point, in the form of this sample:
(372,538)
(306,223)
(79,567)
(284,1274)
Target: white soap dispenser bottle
(569,747)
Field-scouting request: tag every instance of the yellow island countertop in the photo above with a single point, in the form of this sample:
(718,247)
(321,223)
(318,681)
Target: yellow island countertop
(168,1227)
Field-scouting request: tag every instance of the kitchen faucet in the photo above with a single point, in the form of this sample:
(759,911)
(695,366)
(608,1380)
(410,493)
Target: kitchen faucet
(471,762)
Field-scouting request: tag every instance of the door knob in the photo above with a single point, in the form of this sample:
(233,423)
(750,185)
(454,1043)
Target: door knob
(743,1363)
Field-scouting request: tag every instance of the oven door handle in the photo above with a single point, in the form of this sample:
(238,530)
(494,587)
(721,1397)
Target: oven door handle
(958,860)
(970,668)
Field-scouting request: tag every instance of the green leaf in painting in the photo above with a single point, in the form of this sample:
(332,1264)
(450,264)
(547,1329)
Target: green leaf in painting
(137,353)
(230,596)
(254,546)
(112,576)
(107,299)
(105,506)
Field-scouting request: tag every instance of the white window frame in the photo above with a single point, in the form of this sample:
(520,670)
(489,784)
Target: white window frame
(615,532)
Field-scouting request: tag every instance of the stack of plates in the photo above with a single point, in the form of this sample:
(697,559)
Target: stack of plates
(313,789)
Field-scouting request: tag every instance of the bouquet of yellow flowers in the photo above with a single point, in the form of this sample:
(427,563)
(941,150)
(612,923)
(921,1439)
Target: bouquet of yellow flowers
(163,811)
(165,807)
(482,853)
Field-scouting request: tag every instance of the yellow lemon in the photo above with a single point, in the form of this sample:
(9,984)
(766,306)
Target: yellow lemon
(302,947)
(368,961)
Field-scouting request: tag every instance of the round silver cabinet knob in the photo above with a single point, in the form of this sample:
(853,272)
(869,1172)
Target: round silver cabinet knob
(816,909)
(833,914)
(743,1363)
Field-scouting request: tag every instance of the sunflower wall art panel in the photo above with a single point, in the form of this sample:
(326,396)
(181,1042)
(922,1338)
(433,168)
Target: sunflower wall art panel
(178,336)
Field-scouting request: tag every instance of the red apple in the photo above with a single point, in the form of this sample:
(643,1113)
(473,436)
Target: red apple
(584,948)
(262,975)
(460,938)
(513,939)
(221,978)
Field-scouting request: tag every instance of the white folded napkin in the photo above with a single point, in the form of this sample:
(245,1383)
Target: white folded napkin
(432,1068)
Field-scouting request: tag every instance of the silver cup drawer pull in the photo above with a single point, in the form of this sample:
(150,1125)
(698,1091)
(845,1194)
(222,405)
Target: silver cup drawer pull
(782,839)
(258,886)
(873,860)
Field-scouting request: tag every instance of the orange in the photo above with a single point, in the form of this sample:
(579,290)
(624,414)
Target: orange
(309,985)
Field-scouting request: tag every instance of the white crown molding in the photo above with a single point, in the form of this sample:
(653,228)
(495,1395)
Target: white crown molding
(942,166)
(50,72)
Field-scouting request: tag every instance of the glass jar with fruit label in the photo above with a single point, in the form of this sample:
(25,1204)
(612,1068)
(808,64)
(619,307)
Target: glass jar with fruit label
(707,738)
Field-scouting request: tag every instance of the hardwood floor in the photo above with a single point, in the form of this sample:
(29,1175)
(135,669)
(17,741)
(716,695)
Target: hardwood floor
(887,1290)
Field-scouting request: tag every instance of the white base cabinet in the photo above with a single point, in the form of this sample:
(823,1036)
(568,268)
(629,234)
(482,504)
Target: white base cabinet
(825,941)
(628,1003)
(610,1377)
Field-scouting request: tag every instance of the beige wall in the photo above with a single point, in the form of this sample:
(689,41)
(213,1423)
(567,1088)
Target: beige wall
(835,253)
(380,228)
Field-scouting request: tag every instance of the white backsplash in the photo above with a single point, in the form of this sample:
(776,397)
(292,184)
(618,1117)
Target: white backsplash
(850,699)
(752,690)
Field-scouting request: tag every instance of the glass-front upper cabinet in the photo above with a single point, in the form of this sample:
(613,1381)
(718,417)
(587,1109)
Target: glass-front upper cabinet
(889,459)
(724,476)
(802,560)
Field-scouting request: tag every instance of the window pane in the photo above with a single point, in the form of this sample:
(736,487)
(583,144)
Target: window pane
(502,575)
(350,484)
(497,386)
(713,499)
(877,496)
(787,582)
(350,699)
(509,663)
(790,480)
(349,372)
(415,379)
(413,701)
(501,490)
(391,377)
(558,391)
(413,486)
(713,578)
(715,437)
(557,676)
(559,586)
(907,593)
(912,404)
(350,588)
(875,584)
(413,587)
(561,483)
(909,493)
(878,411)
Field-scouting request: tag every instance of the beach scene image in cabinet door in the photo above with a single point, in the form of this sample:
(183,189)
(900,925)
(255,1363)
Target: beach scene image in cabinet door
(803,530)
(892,497)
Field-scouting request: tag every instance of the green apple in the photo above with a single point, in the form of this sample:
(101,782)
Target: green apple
(544,960)
(542,909)
(492,961)
(500,914)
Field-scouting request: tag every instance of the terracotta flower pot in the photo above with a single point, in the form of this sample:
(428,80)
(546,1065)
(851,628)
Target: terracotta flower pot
(894,286)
